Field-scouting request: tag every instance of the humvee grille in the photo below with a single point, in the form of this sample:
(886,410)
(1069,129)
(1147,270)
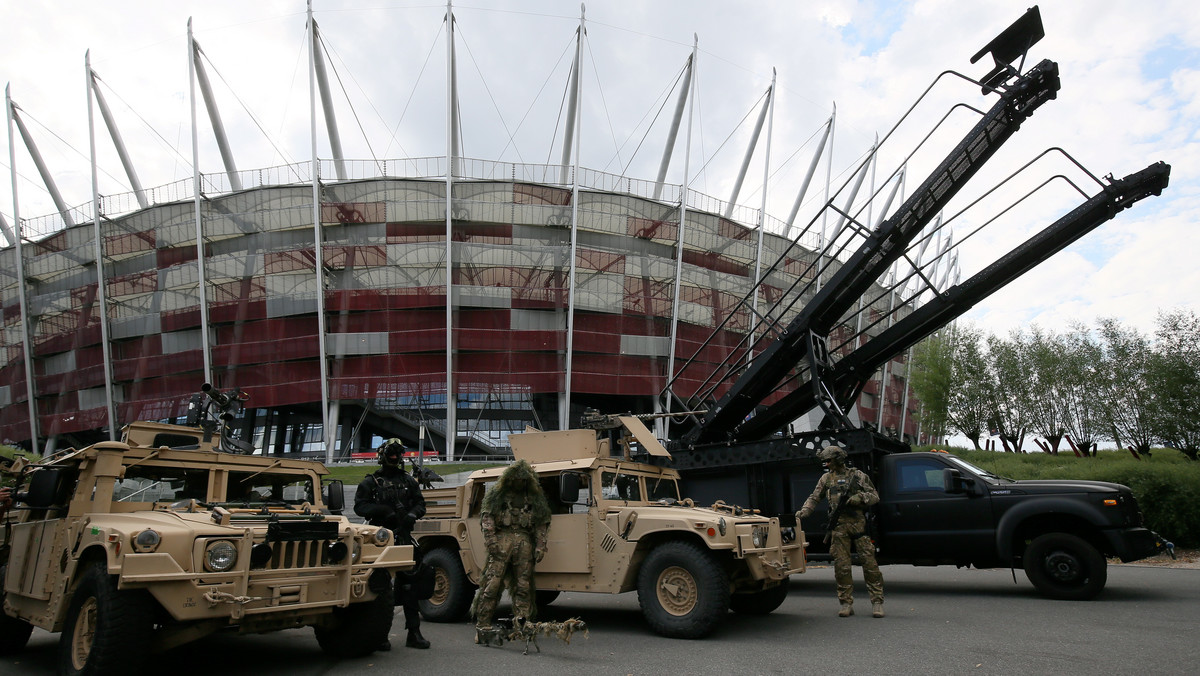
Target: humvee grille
(297,554)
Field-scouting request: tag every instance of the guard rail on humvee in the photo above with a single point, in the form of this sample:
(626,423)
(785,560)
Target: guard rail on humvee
(617,526)
(144,544)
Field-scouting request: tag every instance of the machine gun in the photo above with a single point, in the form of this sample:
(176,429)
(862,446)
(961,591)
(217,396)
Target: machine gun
(212,410)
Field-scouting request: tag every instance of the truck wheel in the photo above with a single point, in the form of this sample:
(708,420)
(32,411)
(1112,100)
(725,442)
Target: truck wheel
(358,629)
(1063,566)
(107,630)
(14,633)
(759,603)
(544,597)
(683,590)
(452,591)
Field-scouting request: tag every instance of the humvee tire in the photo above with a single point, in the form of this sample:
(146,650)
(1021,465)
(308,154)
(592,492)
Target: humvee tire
(14,633)
(107,630)
(759,603)
(358,629)
(683,590)
(1064,566)
(452,590)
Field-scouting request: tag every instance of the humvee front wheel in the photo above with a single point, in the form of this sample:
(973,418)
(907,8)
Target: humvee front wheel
(358,629)
(14,633)
(452,590)
(761,602)
(107,629)
(683,590)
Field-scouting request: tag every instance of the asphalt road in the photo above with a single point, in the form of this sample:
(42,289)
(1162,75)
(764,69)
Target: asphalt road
(940,621)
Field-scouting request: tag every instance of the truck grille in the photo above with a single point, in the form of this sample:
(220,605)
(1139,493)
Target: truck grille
(303,554)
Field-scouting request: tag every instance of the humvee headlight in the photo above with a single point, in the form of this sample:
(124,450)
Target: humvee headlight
(146,541)
(356,552)
(220,556)
(721,525)
(759,537)
(383,536)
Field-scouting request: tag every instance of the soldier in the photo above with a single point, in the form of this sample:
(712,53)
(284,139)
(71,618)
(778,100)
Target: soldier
(850,493)
(516,517)
(392,499)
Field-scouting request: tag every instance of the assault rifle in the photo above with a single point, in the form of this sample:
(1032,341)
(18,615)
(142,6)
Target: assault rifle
(841,506)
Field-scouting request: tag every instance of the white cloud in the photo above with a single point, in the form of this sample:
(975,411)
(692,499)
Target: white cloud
(1115,113)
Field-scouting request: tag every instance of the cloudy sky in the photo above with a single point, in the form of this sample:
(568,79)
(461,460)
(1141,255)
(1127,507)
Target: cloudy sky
(1130,96)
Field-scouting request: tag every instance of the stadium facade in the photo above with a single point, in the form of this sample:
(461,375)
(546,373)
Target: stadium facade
(435,294)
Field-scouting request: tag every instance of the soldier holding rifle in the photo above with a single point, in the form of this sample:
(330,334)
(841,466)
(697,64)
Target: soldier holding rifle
(850,494)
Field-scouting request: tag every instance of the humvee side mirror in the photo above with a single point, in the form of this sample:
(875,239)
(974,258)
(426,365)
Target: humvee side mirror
(43,488)
(952,481)
(568,488)
(335,496)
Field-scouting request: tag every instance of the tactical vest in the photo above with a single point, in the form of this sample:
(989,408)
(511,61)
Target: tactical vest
(393,491)
(511,517)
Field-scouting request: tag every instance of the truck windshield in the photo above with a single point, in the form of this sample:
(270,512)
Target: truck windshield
(979,471)
(148,483)
(661,488)
(269,487)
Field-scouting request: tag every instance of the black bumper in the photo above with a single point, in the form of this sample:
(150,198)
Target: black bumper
(1134,544)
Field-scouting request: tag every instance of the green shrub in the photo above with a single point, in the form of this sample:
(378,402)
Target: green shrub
(1166,485)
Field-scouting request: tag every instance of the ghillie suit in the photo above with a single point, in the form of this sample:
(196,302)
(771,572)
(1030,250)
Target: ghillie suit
(516,517)
(506,628)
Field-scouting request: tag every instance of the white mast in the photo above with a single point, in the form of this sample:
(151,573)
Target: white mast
(328,423)
(27,345)
(102,293)
(451,431)
(197,197)
(573,121)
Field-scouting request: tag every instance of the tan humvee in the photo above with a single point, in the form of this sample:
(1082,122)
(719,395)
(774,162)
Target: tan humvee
(144,544)
(617,526)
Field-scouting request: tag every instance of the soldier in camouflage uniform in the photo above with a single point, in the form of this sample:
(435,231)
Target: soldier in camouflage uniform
(853,485)
(516,517)
(392,499)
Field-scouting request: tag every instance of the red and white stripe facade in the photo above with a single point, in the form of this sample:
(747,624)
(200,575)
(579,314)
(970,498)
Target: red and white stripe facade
(384,255)
(560,287)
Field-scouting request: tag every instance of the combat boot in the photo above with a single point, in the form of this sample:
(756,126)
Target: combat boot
(847,610)
(416,640)
(877,609)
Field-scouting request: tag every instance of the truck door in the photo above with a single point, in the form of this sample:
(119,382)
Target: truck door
(919,521)
(568,542)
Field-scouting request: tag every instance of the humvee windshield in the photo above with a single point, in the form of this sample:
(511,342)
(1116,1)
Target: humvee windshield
(268,487)
(628,486)
(149,483)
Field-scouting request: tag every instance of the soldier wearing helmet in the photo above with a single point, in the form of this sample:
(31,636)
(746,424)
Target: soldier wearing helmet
(850,494)
(392,499)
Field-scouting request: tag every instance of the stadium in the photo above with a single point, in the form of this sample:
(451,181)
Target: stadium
(448,301)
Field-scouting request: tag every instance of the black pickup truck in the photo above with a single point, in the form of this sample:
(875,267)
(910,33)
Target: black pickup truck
(937,509)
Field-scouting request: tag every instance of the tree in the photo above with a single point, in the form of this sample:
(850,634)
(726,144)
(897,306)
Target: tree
(931,379)
(1009,369)
(972,393)
(1084,379)
(1044,354)
(1126,395)
(1173,375)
